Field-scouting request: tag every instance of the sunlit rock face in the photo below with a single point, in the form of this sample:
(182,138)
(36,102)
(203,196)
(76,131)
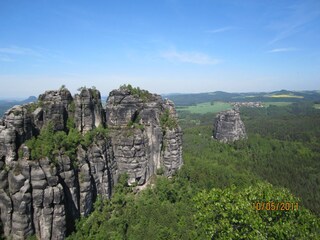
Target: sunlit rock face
(228,126)
(141,145)
(45,196)
(89,113)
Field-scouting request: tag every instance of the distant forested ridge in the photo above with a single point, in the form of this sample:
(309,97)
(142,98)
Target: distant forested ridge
(7,104)
(277,96)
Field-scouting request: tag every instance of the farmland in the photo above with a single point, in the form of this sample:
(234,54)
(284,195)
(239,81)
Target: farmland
(206,107)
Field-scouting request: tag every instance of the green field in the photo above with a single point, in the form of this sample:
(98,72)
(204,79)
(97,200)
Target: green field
(214,107)
(285,96)
(316,106)
(278,104)
(206,107)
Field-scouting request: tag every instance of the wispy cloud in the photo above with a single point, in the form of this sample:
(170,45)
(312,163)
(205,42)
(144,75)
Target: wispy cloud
(219,30)
(277,50)
(294,21)
(190,57)
(14,50)
(39,54)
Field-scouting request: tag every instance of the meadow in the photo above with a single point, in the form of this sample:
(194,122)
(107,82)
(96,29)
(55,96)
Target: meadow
(278,104)
(206,107)
(285,96)
(218,106)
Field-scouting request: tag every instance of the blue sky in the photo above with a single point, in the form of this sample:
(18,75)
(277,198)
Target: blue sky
(163,46)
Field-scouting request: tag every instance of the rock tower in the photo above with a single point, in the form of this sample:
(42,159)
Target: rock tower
(45,196)
(228,126)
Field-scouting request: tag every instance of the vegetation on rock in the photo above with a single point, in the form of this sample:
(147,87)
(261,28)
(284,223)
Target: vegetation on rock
(136,91)
(135,123)
(51,144)
(167,121)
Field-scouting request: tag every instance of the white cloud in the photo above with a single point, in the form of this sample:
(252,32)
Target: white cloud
(276,50)
(219,30)
(190,57)
(13,50)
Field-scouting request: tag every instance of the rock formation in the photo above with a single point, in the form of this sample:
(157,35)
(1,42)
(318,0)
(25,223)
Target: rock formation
(45,196)
(141,144)
(228,126)
(89,112)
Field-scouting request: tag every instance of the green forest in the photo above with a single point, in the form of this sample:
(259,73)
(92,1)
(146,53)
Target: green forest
(189,99)
(214,194)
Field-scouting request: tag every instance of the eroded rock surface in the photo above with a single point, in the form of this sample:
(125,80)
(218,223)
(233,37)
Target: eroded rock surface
(45,196)
(228,126)
(88,110)
(54,106)
(142,144)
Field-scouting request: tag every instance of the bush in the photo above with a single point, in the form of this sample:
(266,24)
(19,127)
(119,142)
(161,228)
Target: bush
(167,121)
(135,123)
(89,137)
(136,91)
(229,214)
(50,143)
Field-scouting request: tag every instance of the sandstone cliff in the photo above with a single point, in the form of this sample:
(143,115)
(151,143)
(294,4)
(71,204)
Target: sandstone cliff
(228,126)
(45,196)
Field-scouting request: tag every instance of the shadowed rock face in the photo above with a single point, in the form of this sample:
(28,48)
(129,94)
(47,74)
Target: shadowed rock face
(45,197)
(228,126)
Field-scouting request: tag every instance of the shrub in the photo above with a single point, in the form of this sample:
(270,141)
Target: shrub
(230,214)
(89,137)
(50,144)
(167,121)
(136,91)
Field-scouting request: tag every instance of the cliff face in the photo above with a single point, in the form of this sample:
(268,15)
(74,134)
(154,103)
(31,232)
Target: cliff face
(228,126)
(142,144)
(88,110)
(45,196)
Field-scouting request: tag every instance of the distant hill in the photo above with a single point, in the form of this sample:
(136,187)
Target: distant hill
(277,96)
(7,104)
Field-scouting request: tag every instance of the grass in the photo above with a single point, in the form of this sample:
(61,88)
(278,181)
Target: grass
(285,96)
(278,104)
(207,107)
(316,106)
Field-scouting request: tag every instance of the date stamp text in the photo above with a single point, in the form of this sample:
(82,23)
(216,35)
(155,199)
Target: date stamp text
(276,206)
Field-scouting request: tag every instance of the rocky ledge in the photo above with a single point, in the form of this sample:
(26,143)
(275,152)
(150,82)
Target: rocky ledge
(228,126)
(58,154)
